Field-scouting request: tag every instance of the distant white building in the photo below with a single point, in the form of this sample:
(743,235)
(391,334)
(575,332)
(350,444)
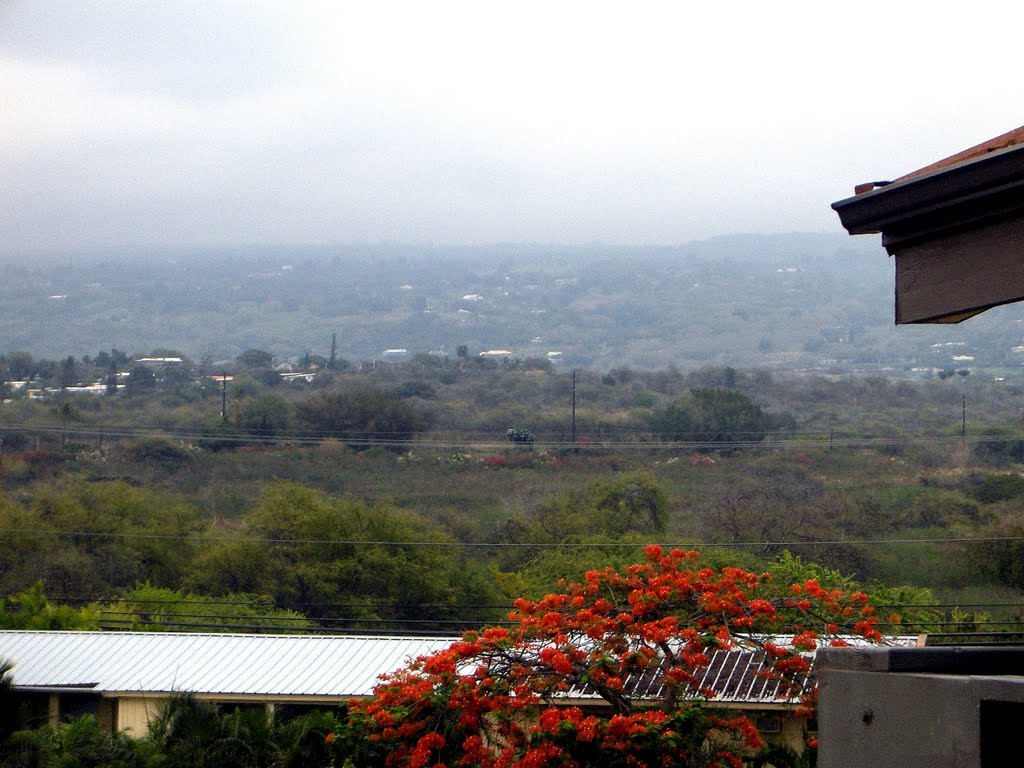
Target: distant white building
(306,376)
(99,388)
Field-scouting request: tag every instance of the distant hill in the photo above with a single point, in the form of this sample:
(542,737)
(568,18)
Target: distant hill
(795,301)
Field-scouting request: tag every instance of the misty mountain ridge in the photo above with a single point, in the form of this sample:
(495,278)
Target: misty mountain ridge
(820,302)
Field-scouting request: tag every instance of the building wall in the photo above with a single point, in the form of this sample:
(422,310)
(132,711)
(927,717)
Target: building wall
(134,714)
(867,719)
(793,734)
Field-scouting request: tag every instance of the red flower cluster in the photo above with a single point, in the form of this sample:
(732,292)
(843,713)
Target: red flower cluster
(631,643)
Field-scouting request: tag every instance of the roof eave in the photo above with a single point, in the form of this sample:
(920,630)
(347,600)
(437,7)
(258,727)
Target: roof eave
(924,205)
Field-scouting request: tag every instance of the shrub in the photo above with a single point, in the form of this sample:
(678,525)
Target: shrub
(158,450)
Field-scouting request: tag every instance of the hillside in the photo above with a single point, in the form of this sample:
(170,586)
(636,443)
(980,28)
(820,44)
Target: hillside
(801,301)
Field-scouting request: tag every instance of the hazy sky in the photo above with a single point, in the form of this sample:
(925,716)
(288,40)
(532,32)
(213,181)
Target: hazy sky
(438,122)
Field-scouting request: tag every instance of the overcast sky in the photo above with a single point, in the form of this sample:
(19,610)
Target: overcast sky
(209,123)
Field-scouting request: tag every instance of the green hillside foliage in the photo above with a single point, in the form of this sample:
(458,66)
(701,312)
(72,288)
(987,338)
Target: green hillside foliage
(315,502)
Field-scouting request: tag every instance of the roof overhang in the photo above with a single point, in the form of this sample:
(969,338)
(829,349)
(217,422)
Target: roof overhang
(956,232)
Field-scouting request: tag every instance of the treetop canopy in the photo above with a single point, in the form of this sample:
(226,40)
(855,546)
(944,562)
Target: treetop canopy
(502,696)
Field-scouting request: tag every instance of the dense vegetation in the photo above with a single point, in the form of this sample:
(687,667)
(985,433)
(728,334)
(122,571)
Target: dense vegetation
(186,733)
(492,699)
(748,396)
(393,497)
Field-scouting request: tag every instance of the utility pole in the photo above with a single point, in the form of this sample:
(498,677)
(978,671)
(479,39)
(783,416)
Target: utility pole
(574,407)
(224,396)
(963,416)
(334,351)
(963,373)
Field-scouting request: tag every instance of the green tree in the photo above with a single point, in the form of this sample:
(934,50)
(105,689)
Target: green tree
(160,451)
(141,380)
(265,415)
(79,743)
(303,741)
(112,378)
(626,509)
(95,538)
(20,365)
(32,610)
(234,566)
(548,567)
(713,415)
(159,609)
(68,372)
(915,609)
(378,566)
(999,552)
(255,359)
(190,733)
(362,417)
(999,446)
(633,502)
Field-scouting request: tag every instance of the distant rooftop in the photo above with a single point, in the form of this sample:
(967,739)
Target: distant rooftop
(320,666)
(224,664)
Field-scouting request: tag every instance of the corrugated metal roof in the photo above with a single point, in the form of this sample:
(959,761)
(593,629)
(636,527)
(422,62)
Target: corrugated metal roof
(737,676)
(300,665)
(227,664)
(731,677)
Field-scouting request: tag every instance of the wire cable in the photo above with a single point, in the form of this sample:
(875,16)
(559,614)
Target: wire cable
(506,545)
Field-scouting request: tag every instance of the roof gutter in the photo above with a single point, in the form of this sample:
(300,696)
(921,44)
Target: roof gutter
(923,206)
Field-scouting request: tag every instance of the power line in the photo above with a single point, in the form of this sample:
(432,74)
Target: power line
(455,438)
(383,623)
(508,545)
(268,604)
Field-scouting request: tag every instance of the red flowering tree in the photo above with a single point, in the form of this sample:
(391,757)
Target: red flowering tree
(633,642)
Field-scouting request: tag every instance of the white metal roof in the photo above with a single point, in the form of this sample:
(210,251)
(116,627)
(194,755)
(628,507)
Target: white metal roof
(298,665)
(228,664)
(737,676)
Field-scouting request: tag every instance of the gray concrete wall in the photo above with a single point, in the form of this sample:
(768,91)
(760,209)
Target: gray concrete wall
(871,716)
